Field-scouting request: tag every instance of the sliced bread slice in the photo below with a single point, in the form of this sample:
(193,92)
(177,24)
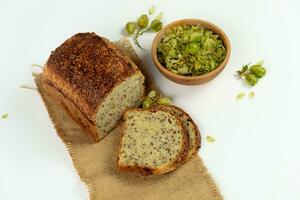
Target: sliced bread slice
(153,141)
(190,126)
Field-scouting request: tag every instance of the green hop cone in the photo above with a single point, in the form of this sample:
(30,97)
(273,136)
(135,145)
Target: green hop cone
(151,10)
(143,21)
(251,79)
(152,94)
(156,25)
(164,101)
(258,70)
(130,27)
(147,103)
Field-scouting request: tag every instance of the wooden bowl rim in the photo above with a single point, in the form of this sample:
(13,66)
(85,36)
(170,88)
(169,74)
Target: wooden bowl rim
(204,24)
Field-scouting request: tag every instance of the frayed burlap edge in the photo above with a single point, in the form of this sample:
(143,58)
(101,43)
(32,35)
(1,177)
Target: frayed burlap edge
(89,184)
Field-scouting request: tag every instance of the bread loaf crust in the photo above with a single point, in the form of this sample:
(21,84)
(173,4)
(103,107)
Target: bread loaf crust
(71,109)
(159,170)
(86,67)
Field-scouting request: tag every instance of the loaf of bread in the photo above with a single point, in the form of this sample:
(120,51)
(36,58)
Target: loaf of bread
(95,77)
(153,142)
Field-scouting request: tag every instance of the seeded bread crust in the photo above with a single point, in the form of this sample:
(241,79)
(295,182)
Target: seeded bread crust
(195,144)
(86,67)
(162,169)
(71,109)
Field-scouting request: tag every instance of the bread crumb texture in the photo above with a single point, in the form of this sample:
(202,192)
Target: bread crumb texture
(150,139)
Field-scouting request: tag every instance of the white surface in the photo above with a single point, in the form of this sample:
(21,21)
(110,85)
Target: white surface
(256,153)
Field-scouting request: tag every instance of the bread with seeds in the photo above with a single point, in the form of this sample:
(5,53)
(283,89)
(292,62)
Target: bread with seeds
(95,77)
(190,126)
(153,141)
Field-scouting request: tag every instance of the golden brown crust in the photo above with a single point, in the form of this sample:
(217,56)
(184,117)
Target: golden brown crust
(86,67)
(160,170)
(71,109)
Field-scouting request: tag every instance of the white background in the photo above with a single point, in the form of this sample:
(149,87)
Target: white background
(256,153)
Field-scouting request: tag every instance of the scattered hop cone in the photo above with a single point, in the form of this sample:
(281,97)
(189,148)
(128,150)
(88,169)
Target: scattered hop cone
(164,101)
(151,10)
(258,70)
(251,79)
(143,21)
(153,94)
(130,27)
(147,103)
(156,25)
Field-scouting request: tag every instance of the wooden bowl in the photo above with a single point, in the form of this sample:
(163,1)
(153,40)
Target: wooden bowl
(190,80)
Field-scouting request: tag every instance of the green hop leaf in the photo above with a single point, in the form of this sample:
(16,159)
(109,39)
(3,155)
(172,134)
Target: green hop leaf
(243,70)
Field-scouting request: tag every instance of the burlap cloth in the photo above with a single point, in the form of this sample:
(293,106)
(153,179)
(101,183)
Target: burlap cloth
(96,163)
